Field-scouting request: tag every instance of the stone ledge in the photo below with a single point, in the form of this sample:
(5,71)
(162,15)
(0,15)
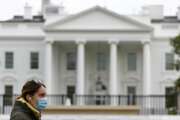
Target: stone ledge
(123,110)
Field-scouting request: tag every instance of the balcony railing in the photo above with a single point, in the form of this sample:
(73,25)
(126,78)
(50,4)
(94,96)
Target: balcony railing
(154,104)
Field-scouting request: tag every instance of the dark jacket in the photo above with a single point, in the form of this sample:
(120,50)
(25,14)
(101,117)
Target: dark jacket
(21,111)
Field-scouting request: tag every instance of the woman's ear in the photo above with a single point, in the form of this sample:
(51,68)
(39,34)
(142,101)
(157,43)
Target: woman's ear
(28,98)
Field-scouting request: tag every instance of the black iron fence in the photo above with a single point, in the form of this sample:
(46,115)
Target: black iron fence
(154,104)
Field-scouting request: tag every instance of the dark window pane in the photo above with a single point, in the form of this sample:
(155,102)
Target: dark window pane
(71,61)
(101,61)
(8,96)
(9,60)
(34,60)
(131,95)
(132,59)
(171,99)
(169,61)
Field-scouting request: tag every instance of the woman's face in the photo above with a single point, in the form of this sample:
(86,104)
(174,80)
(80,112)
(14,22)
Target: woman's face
(41,93)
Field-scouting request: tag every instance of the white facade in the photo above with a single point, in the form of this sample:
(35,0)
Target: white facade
(96,30)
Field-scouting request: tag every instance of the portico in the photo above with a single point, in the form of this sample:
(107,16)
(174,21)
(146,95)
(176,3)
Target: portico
(119,36)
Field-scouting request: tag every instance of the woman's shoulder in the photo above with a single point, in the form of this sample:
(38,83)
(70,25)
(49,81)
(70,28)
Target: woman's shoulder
(20,112)
(20,116)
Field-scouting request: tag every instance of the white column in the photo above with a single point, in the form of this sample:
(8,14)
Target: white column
(80,84)
(147,77)
(113,72)
(146,68)
(49,66)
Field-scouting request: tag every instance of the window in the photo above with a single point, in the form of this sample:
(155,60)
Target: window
(169,61)
(171,98)
(9,60)
(34,64)
(8,96)
(101,61)
(71,61)
(132,61)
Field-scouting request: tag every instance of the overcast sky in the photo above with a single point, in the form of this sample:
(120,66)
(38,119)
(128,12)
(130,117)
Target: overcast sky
(8,8)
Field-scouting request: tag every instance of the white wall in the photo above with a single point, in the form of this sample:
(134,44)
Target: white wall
(21,29)
(21,71)
(165,30)
(161,78)
(62,77)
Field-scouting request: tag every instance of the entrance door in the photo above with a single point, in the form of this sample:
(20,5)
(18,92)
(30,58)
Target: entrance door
(71,92)
(131,91)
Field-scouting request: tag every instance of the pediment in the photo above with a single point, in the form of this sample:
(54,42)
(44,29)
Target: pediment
(98,18)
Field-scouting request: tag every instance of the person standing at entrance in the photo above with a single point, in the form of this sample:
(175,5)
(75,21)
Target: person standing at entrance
(31,102)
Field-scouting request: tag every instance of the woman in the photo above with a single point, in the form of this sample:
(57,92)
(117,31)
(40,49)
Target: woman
(32,101)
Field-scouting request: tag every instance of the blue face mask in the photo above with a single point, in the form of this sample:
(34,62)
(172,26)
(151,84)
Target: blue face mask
(41,103)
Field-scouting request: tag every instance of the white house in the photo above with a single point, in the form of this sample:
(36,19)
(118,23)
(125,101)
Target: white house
(94,52)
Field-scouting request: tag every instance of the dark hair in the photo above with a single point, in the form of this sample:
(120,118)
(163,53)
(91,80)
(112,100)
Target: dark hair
(30,88)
